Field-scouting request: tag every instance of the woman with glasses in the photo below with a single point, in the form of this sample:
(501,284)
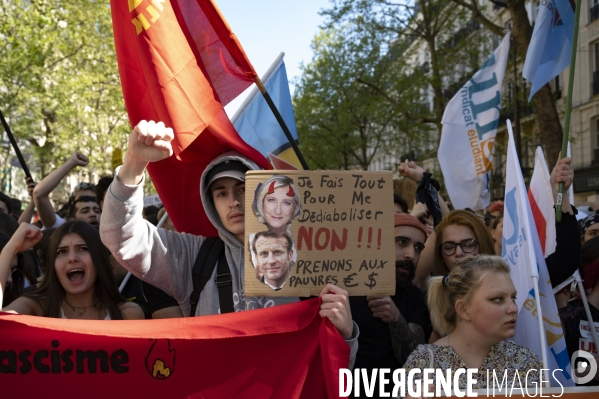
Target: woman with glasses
(460,234)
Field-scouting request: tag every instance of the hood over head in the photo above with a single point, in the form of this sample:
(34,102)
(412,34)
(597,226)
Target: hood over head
(209,176)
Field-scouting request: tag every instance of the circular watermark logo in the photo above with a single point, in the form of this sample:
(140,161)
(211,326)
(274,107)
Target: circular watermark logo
(584,366)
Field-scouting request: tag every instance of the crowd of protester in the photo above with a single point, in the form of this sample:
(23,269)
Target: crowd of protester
(104,256)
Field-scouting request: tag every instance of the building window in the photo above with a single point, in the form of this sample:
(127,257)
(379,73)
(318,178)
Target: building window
(556,87)
(525,88)
(595,64)
(595,138)
(594,12)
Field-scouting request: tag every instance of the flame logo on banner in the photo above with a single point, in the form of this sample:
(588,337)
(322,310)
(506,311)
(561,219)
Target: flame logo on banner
(160,361)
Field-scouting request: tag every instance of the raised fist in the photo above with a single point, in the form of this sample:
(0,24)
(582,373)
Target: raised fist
(150,141)
(79,159)
(410,170)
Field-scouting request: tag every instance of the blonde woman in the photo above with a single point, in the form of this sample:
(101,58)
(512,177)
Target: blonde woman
(474,309)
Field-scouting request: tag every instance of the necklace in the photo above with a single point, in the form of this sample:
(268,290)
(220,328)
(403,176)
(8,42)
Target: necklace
(83,309)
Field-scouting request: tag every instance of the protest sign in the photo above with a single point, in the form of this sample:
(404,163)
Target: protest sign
(306,229)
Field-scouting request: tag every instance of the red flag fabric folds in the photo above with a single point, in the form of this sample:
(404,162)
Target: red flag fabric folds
(180,63)
(280,352)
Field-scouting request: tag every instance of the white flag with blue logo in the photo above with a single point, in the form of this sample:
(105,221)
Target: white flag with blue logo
(470,124)
(522,251)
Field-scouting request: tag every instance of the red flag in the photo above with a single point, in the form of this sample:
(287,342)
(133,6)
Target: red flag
(180,63)
(280,352)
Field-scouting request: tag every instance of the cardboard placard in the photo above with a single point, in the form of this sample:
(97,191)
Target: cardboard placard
(338,224)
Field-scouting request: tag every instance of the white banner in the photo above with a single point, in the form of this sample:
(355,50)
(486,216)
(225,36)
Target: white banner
(468,138)
(521,249)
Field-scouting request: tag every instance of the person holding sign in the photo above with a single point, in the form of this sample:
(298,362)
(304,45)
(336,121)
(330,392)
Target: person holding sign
(277,203)
(166,259)
(274,258)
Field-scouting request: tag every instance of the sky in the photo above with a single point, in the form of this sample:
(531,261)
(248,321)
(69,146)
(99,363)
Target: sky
(265,28)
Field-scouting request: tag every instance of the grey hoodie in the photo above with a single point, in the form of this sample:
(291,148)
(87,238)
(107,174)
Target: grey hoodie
(165,259)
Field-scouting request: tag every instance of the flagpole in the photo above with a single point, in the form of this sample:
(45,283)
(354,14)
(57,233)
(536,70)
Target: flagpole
(254,92)
(560,191)
(277,114)
(162,220)
(15,146)
(535,281)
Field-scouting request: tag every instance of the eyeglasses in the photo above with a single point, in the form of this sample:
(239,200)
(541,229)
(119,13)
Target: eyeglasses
(468,246)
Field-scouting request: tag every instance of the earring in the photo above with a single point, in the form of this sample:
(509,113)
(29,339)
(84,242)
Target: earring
(460,318)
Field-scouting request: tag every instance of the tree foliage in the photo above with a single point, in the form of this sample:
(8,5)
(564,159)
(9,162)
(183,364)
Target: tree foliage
(341,121)
(59,81)
(434,48)
(427,51)
(408,59)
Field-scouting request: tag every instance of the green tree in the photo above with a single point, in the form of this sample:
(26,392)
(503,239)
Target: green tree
(446,26)
(59,81)
(342,122)
(432,55)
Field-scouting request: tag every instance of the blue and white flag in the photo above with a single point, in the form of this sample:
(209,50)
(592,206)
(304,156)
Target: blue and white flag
(521,249)
(551,43)
(468,138)
(257,125)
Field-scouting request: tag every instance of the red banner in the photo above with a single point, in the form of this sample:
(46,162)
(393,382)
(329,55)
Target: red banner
(279,352)
(180,63)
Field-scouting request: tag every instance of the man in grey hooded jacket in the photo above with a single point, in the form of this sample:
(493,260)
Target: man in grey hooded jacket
(165,259)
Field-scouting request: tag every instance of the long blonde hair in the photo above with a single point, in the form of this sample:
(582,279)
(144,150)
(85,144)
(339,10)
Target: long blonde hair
(460,283)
